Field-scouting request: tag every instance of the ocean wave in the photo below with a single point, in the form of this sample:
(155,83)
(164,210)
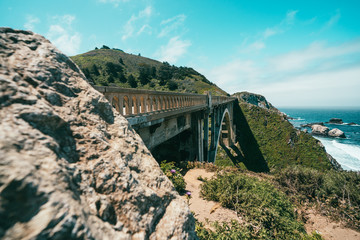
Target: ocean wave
(348,155)
(352,150)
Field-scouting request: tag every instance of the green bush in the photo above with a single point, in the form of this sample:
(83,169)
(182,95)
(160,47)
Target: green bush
(337,193)
(173,173)
(267,211)
(235,230)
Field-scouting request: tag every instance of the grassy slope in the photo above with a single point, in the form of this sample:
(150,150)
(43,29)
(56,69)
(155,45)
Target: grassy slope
(280,143)
(188,80)
(267,141)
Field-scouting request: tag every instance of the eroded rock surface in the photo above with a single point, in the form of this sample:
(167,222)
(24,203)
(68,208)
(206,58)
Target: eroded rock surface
(319,130)
(336,133)
(70,166)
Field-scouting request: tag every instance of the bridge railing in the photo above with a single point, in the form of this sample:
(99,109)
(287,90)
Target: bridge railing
(130,102)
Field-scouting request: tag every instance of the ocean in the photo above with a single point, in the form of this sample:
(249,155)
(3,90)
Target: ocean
(345,151)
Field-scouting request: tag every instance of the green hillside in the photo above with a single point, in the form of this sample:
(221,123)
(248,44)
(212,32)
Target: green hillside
(114,67)
(279,142)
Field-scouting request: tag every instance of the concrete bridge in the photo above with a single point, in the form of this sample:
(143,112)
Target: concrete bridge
(199,121)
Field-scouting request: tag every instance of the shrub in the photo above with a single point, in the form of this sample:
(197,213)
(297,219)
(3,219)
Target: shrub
(173,173)
(266,210)
(337,193)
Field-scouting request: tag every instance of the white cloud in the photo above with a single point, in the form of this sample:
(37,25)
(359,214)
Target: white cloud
(63,36)
(258,45)
(171,24)
(332,21)
(132,24)
(318,75)
(290,17)
(234,74)
(144,28)
(173,50)
(269,32)
(329,88)
(316,53)
(283,26)
(114,2)
(30,22)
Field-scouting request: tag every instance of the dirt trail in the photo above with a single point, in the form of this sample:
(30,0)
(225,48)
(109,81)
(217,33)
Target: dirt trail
(328,229)
(210,210)
(201,207)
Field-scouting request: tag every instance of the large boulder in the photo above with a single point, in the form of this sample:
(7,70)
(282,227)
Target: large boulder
(319,130)
(70,166)
(336,133)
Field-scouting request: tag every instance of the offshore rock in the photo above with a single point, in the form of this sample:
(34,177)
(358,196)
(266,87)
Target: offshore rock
(336,121)
(336,133)
(70,166)
(319,130)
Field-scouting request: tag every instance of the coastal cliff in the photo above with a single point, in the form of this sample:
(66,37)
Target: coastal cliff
(280,143)
(71,167)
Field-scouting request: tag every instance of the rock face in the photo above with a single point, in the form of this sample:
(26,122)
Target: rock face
(70,166)
(336,133)
(326,132)
(319,130)
(255,99)
(336,121)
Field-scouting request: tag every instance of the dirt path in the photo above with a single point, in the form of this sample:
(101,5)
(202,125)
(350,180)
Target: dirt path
(329,230)
(205,209)
(213,212)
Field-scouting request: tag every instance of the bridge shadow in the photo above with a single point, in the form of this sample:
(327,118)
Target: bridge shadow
(249,152)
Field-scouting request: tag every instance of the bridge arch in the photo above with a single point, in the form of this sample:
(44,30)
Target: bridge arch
(115,103)
(126,105)
(223,133)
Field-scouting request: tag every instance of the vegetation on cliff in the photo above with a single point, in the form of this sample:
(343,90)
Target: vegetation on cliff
(114,67)
(278,142)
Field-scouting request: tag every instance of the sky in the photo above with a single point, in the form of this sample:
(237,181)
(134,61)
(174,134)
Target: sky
(295,53)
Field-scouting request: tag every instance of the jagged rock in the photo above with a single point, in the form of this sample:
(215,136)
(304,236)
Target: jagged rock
(336,133)
(257,100)
(336,121)
(319,130)
(71,167)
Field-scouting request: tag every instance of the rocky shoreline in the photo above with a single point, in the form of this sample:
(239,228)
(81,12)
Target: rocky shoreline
(319,128)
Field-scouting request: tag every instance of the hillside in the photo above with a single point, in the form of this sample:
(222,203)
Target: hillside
(114,67)
(279,142)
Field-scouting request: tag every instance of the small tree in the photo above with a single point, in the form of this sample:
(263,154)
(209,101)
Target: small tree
(132,82)
(94,70)
(122,78)
(144,75)
(172,85)
(121,61)
(105,47)
(110,79)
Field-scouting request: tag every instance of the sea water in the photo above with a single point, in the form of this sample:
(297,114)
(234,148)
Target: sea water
(345,151)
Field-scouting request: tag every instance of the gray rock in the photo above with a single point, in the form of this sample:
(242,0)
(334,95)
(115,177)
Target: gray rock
(336,133)
(336,121)
(71,167)
(319,130)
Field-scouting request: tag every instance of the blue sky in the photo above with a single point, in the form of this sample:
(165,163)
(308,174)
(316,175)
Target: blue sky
(295,53)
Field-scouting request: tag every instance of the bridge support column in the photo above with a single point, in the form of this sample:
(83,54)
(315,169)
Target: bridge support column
(206,137)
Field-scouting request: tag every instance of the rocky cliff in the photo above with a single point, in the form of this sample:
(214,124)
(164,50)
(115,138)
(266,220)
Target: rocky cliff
(255,99)
(70,166)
